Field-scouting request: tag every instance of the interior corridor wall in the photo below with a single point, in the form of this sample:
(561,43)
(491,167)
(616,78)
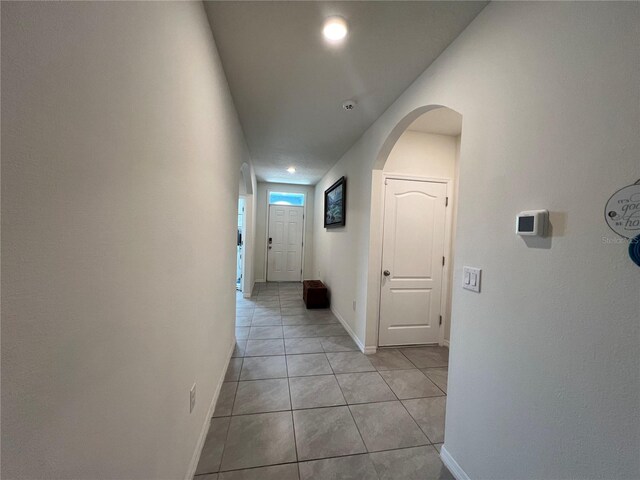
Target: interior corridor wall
(121,154)
(262,208)
(544,362)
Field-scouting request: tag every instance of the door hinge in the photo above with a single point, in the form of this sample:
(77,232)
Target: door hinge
(440,320)
(443,261)
(446,201)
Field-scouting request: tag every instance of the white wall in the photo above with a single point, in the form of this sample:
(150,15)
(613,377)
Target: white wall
(423,154)
(121,154)
(454,232)
(431,156)
(544,362)
(261,226)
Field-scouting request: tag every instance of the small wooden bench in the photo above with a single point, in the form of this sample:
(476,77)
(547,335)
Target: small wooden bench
(314,294)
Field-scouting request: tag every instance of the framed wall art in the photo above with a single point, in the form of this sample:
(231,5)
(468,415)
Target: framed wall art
(335,204)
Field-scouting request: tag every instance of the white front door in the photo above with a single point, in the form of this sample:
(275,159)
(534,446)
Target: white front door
(412,262)
(284,248)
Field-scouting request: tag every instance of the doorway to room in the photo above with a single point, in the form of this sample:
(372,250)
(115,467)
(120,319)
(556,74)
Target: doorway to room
(240,245)
(418,204)
(245,234)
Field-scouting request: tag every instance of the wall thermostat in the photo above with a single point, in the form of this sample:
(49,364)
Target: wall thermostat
(532,223)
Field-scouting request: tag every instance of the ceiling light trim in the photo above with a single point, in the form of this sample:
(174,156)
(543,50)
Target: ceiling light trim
(335,29)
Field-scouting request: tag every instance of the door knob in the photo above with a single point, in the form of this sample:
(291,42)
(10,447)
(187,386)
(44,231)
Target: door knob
(386,273)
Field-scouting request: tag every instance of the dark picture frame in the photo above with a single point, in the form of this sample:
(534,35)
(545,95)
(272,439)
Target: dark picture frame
(335,204)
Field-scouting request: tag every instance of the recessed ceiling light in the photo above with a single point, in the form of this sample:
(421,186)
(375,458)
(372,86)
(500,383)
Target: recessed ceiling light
(291,170)
(335,29)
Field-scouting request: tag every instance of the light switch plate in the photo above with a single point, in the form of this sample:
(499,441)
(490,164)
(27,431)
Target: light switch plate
(471,278)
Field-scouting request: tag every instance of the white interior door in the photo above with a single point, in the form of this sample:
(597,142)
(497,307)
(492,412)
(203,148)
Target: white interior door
(412,262)
(284,249)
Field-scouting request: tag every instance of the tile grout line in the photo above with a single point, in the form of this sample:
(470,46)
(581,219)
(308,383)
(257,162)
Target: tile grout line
(349,410)
(293,421)
(405,408)
(437,386)
(226,436)
(314,460)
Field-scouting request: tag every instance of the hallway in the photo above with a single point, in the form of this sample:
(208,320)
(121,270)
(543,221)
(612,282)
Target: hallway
(301,401)
(468,174)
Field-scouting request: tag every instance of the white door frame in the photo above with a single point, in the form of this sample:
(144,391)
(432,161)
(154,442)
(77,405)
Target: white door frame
(446,270)
(244,240)
(249,193)
(266,236)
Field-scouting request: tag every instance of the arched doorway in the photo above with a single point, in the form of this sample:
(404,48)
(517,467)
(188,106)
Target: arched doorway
(244,276)
(414,190)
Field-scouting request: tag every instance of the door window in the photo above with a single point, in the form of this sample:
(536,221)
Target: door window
(285,198)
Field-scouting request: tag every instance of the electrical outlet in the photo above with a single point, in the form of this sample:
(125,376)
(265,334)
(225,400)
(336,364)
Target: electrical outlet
(192,398)
(354,305)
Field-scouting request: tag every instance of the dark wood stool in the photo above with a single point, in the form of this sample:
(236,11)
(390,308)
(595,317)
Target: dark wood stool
(314,294)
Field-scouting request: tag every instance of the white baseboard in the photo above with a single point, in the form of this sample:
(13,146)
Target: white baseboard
(446,343)
(455,469)
(361,346)
(205,428)
(261,280)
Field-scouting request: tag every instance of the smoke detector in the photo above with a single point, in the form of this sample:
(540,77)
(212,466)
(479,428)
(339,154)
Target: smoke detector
(349,105)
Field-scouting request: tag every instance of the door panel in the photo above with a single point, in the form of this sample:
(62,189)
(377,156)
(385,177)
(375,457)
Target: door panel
(413,243)
(277,262)
(292,235)
(413,248)
(409,305)
(292,261)
(284,254)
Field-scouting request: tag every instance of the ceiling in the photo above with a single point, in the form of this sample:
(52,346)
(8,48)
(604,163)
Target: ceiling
(288,85)
(441,121)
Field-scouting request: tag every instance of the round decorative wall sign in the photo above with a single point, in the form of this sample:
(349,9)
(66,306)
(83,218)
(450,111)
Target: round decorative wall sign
(634,250)
(622,212)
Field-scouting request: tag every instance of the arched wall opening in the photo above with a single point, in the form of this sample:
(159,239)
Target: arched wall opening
(246,229)
(422,149)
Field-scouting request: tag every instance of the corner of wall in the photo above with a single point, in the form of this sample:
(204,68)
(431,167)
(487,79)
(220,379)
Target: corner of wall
(367,350)
(453,466)
(248,291)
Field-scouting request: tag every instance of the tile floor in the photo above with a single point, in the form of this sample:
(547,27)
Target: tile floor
(301,402)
